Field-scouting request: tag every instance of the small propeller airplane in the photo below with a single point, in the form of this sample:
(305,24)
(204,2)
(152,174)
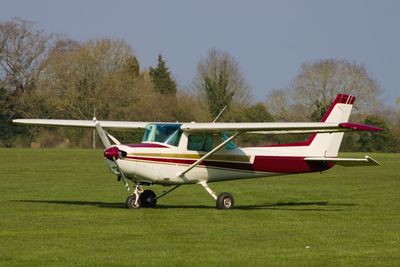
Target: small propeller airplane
(175,154)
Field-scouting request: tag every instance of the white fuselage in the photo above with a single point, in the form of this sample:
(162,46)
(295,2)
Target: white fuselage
(159,163)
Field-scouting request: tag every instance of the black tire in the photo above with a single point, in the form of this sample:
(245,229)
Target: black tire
(130,202)
(225,201)
(148,199)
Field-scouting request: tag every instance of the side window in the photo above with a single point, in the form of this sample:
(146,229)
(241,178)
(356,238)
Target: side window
(200,142)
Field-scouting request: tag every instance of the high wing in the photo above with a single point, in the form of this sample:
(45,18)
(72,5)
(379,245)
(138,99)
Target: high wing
(276,127)
(119,125)
(233,127)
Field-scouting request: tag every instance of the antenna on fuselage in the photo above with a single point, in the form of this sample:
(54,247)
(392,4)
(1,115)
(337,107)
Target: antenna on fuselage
(220,113)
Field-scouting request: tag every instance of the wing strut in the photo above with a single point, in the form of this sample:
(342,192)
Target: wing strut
(200,160)
(169,191)
(220,113)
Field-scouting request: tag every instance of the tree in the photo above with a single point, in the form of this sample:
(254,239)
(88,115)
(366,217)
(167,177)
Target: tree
(219,82)
(254,113)
(377,141)
(187,108)
(132,66)
(161,78)
(22,53)
(398,106)
(284,108)
(100,77)
(396,126)
(84,79)
(319,82)
(22,50)
(317,85)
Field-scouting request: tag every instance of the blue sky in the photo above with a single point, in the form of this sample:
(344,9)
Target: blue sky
(269,39)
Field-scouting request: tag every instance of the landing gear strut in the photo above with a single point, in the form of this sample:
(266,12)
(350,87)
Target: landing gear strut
(133,201)
(223,200)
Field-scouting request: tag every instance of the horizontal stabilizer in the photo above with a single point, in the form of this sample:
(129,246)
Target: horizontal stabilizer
(348,162)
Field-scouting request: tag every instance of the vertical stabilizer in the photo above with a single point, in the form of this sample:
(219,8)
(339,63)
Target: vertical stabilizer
(328,144)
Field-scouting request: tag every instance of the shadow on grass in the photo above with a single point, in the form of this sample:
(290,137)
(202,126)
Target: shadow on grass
(290,206)
(78,203)
(299,206)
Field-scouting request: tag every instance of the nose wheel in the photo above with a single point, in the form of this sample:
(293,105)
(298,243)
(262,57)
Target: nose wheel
(141,198)
(132,202)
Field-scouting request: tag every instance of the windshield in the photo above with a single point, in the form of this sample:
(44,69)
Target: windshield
(162,132)
(230,144)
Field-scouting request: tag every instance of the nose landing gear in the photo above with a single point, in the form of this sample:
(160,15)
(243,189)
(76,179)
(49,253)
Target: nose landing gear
(141,198)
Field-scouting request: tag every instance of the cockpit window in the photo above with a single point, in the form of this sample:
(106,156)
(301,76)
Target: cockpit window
(200,142)
(174,138)
(159,132)
(206,142)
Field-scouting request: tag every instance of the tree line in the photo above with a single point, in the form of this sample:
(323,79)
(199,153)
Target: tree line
(45,75)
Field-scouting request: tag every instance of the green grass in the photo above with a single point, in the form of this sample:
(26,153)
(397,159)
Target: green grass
(63,208)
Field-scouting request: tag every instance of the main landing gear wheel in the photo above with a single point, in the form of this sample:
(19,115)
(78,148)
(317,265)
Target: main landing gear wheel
(148,199)
(224,201)
(131,202)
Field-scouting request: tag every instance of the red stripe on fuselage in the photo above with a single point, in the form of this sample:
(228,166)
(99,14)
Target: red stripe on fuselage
(288,165)
(261,164)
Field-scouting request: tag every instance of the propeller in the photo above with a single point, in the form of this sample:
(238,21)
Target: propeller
(111,153)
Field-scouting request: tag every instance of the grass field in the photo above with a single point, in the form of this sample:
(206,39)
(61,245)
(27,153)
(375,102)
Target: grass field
(64,208)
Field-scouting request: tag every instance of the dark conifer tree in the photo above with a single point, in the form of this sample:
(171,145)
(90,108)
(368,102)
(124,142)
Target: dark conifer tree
(161,78)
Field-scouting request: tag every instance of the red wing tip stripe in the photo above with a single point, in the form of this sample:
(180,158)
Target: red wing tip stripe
(359,127)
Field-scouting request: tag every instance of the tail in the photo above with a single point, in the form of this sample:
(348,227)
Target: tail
(328,144)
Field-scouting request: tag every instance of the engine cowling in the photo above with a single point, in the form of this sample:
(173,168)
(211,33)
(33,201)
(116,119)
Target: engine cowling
(113,153)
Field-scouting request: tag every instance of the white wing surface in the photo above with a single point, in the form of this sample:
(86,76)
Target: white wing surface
(255,127)
(129,125)
(230,127)
(276,127)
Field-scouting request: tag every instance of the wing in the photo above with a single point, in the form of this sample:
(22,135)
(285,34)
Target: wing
(262,128)
(119,125)
(276,127)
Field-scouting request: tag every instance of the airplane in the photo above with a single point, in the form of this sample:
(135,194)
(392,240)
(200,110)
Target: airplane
(175,154)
